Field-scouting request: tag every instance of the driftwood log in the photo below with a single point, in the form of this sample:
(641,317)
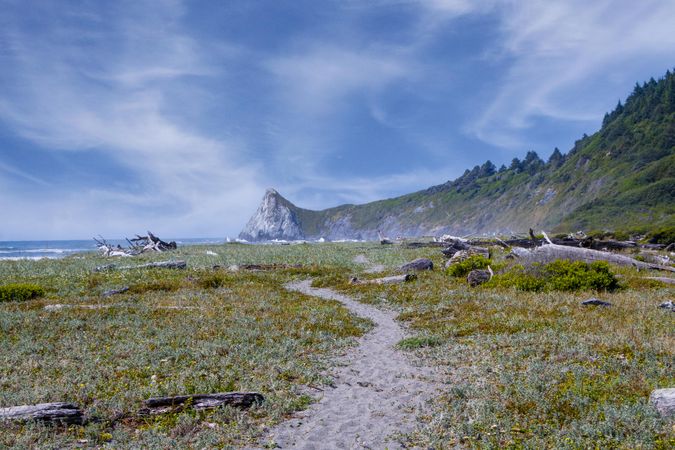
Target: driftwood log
(662,279)
(386,280)
(260,267)
(65,413)
(151,265)
(137,245)
(161,405)
(550,252)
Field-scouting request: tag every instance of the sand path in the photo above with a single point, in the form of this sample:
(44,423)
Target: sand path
(378,392)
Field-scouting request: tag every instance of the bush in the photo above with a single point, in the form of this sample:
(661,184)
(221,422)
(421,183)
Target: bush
(462,269)
(18,292)
(561,275)
(665,235)
(212,281)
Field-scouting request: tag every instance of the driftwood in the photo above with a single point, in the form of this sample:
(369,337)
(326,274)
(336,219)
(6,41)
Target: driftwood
(66,413)
(151,265)
(260,267)
(383,239)
(662,279)
(550,252)
(396,279)
(115,291)
(137,245)
(431,244)
(161,405)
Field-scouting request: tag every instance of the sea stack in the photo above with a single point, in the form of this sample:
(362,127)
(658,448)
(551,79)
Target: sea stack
(275,218)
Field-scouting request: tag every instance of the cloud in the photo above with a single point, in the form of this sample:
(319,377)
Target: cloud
(558,53)
(119,95)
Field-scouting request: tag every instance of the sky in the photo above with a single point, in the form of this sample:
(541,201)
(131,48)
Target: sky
(121,116)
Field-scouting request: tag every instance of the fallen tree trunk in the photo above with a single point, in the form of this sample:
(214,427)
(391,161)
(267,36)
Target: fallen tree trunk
(386,280)
(66,413)
(550,252)
(662,279)
(161,405)
(159,265)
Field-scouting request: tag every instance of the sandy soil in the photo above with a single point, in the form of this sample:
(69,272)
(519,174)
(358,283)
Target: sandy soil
(378,391)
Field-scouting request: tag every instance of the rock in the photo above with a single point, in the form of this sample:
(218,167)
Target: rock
(664,401)
(276,218)
(667,305)
(595,302)
(478,277)
(460,256)
(418,265)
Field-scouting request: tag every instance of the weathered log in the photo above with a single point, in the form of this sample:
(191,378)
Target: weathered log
(417,265)
(550,252)
(662,279)
(159,265)
(664,401)
(66,413)
(161,405)
(595,302)
(386,280)
(431,244)
(264,267)
(115,291)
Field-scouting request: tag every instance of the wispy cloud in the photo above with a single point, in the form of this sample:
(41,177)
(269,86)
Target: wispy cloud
(559,52)
(117,95)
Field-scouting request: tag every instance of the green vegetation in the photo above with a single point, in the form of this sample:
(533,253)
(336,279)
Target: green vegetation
(462,268)
(522,369)
(18,292)
(618,179)
(559,276)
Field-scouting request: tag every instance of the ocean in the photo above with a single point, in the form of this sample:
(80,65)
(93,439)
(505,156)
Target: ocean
(60,249)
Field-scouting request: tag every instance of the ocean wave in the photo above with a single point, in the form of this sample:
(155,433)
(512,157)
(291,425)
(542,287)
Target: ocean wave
(20,258)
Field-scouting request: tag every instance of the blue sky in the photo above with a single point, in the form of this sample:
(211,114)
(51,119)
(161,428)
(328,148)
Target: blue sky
(174,116)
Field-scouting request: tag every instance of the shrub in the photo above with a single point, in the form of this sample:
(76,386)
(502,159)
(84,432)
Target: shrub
(561,275)
(462,269)
(212,281)
(17,292)
(665,235)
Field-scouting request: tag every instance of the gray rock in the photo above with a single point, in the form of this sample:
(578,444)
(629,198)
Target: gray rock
(478,277)
(275,218)
(418,265)
(667,305)
(595,302)
(664,401)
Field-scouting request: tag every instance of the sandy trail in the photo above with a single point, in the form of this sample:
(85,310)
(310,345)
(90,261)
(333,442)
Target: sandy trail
(378,391)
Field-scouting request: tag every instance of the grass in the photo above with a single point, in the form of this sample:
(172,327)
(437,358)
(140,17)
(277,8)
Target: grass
(523,369)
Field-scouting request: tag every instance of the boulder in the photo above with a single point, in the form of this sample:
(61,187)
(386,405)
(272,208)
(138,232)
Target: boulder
(478,277)
(664,401)
(417,265)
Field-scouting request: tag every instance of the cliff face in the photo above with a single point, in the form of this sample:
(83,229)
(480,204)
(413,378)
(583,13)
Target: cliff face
(275,219)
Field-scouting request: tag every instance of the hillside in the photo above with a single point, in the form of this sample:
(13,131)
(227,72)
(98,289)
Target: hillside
(623,176)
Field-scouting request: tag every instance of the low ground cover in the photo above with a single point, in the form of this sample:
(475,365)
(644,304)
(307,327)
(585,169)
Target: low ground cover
(523,369)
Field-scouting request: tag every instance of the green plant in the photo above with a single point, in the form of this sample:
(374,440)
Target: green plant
(17,292)
(461,269)
(561,275)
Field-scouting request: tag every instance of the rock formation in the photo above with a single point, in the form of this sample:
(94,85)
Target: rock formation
(276,218)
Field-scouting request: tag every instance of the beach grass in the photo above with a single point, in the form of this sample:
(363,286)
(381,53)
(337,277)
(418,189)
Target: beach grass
(521,369)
